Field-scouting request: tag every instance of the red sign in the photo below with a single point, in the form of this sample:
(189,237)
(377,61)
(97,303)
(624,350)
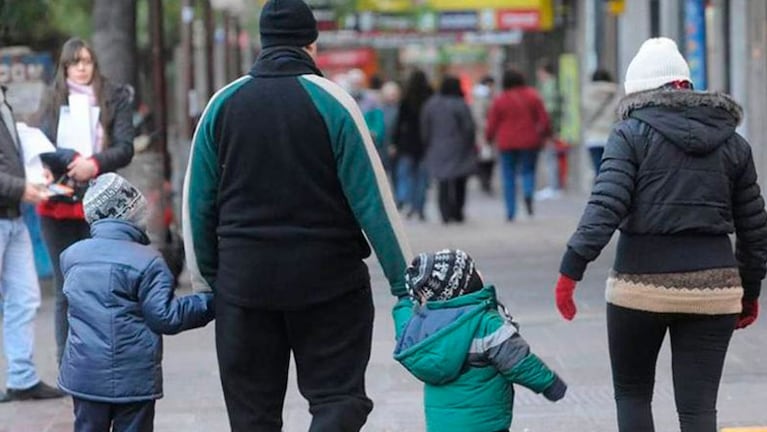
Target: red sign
(519,19)
(351,58)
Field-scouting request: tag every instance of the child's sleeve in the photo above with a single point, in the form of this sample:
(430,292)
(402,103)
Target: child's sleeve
(165,314)
(510,354)
(402,312)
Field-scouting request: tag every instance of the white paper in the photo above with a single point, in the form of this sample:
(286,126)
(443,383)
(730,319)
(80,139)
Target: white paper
(77,125)
(33,143)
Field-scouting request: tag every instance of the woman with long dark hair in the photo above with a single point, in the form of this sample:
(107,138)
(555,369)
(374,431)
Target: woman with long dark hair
(518,125)
(411,177)
(447,129)
(62,218)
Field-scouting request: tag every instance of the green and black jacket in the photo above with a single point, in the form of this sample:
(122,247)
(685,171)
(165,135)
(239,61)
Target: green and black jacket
(283,180)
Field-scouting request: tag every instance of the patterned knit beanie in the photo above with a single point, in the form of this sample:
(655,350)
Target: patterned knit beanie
(287,23)
(658,62)
(442,276)
(112,197)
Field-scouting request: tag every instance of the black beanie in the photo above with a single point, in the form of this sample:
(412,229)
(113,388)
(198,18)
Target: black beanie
(442,275)
(287,23)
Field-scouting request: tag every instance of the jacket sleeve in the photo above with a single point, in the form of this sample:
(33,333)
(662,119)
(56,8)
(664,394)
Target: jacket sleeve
(362,178)
(469,127)
(402,312)
(750,228)
(12,187)
(610,201)
(165,314)
(120,151)
(541,115)
(425,118)
(510,354)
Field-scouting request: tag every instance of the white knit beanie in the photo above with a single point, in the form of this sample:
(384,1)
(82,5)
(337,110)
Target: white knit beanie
(658,62)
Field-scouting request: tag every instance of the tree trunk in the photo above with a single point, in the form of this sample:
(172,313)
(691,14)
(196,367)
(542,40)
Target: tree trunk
(114,39)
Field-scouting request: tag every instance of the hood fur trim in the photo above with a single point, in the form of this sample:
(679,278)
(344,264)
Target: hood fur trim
(678,99)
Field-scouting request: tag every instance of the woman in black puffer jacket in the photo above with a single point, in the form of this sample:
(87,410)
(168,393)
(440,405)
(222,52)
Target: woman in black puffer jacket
(677,180)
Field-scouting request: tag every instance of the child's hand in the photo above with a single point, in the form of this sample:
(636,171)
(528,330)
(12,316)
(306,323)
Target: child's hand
(556,390)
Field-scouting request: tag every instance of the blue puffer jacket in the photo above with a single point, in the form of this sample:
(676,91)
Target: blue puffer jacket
(120,295)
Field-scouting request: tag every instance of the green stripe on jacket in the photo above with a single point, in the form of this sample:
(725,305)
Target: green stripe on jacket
(362,178)
(200,210)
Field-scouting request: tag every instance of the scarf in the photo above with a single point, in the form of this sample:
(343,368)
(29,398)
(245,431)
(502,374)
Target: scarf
(87,90)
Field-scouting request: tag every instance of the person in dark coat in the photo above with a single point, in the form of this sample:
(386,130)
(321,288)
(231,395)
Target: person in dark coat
(120,294)
(447,129)
(62,220)
(519,126)
(412,180)
(677,180)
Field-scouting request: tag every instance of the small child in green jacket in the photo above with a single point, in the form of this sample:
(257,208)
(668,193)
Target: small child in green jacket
(453,335)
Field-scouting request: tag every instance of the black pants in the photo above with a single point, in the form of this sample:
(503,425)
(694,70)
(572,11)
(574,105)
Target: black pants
(452,197)
(103,417)
(59,234)
(698,348)
(331,345)
(485,175)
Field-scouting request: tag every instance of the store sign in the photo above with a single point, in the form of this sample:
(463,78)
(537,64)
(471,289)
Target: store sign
(458,21)
(519,19)
(394,22)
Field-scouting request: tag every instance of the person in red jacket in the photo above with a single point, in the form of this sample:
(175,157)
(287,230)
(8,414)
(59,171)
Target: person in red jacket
(518,125)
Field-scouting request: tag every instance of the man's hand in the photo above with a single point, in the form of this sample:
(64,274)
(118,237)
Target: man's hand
(82,169)
(34,194)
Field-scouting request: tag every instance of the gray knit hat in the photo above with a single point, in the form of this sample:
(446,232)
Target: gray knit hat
(112,197)
(442,275)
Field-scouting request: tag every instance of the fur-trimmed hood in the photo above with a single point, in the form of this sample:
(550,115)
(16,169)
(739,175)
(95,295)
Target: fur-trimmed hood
(697,122)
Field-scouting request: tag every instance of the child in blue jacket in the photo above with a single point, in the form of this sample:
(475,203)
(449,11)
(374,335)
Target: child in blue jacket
(120,295)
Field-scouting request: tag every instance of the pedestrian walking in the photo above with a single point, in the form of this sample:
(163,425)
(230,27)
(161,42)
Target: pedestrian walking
(120,294)
(283,180)
(448,131)
(600,103)
(548,89)
(19,288)
(484,94)
(391,98)
(62,219)
(411,176)
(519,126)
(453,335)
(676,179)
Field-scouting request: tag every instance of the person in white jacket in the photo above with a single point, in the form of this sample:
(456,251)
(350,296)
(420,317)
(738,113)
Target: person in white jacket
(600,100)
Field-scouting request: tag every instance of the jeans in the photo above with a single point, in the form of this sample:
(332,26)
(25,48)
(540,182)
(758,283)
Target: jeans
(102,417)
(21,298)
(596,157)
(698,348)
(412,181)
(331,344)
(510,159)
(59,234)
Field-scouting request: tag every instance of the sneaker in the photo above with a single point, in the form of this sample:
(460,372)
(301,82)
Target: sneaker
(40,390)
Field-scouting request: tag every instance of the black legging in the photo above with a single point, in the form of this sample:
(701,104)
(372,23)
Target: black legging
(452,197)
(698,348)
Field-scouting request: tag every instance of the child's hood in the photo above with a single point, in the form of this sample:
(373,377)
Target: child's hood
(116,229)
(435,344)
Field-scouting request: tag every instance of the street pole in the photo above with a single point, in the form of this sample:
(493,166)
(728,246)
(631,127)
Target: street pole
(159,84)
(227,47)
(209,20)
(187,67)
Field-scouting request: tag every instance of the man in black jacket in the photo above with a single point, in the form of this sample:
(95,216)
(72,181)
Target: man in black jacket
(18,279)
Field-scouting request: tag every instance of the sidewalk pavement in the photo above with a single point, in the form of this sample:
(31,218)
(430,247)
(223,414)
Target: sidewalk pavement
(521,259)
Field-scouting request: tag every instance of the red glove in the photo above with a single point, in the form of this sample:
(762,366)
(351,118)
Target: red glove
(564,295)
(749,313)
